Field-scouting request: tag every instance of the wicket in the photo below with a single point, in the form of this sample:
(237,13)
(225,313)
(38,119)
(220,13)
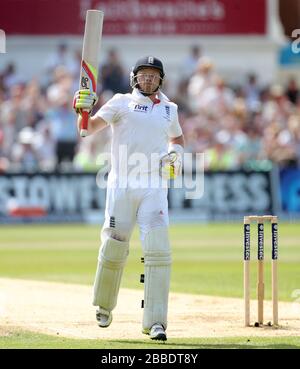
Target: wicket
(260,271)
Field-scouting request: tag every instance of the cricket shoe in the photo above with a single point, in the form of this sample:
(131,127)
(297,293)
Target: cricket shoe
(157,332)
(104,317)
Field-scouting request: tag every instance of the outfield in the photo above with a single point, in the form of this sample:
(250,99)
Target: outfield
(207,260)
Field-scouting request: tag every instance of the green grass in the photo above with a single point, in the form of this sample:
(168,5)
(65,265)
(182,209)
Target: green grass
(207,259)
(20,339)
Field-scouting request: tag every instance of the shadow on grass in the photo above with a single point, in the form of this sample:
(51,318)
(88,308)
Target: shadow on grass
(169,345)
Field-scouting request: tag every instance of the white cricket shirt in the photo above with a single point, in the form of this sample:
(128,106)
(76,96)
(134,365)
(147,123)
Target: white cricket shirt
(141,131)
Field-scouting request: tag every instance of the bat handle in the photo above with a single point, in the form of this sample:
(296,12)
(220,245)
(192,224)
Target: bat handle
(84,123)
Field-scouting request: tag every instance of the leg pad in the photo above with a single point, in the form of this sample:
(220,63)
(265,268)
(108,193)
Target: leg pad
(112,258)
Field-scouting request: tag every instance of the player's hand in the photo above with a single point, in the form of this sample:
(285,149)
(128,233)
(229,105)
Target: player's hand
(84,100)
(170,165)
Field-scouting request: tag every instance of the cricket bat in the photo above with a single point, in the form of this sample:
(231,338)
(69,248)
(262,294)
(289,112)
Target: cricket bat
(89,61)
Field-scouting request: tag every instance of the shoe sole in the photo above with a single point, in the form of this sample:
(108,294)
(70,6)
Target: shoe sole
(103,326)
(160,337)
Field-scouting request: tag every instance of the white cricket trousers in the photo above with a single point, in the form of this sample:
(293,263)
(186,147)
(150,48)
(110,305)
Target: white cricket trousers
(149,209)
(127,206)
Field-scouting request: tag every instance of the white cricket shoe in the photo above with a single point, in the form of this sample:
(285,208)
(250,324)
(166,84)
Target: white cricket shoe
(104,317)
(157,332)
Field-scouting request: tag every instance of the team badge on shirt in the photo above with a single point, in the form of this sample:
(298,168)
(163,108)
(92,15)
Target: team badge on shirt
(167,116)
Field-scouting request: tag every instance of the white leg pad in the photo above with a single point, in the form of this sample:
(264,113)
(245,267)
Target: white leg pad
(111,261)
(157,261)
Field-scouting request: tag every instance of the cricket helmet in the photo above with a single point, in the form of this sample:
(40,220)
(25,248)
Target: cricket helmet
(146,62)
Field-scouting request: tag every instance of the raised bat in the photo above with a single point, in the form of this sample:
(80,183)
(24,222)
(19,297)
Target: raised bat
(90,54)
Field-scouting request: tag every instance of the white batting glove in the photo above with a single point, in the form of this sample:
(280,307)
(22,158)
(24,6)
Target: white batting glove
(84,100)
(171,163)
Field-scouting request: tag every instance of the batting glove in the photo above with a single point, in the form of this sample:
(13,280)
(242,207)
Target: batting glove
(84,100)
(171,163)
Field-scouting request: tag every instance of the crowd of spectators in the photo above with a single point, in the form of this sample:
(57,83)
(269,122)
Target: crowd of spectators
(245,126)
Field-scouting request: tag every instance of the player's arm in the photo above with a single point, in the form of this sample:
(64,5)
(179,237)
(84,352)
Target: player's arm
(176,141)
(95,124)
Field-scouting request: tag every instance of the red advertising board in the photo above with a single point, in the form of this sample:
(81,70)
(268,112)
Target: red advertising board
(136,17)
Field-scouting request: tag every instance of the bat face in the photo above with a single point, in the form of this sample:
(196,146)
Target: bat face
(90,50)
(89,62)
(89,76)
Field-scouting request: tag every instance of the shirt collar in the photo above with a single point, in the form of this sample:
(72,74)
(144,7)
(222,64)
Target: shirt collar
(140,97)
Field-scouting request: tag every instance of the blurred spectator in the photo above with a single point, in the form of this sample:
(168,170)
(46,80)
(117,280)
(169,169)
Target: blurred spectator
(94,152)
(34,103)
(294,127)
(111,75)
(221,156)
(24,155)
(2,87)
(45,146)
(103,98)
(277,107)
(251,151)
(252,93)
(9,76)
(14,107)
(4,163)
(200,81)
(217,99)
(61,83)
(279,145)
(75,73)
(189,64)
(292,91)
(181,97)
(62,57)
(62,123)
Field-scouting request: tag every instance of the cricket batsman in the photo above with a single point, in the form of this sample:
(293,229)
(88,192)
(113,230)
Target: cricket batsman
(145,122)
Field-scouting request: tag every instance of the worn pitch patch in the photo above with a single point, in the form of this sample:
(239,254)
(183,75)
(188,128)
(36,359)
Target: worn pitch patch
(66,310)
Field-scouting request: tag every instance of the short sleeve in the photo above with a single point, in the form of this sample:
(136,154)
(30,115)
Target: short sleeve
(174,127)
(110,110)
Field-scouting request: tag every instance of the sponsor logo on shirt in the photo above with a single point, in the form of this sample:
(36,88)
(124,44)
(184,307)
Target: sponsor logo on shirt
(141,108)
